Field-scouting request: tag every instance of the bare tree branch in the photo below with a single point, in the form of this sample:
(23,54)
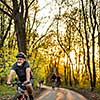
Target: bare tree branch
(43,35)
(7,30)
(33,21)
(26,13)
(27,7)
(6,5)
(22,7)
(6,12)
(31,3)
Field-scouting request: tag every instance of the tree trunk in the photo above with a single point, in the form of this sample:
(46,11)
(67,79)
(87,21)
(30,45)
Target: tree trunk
(98,28)
(93,60)
(70,81)
(65,76)
(87,45)
(19,22)
(93,24)
(20,33)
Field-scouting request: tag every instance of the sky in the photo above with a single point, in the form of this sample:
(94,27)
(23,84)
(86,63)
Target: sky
(48,13)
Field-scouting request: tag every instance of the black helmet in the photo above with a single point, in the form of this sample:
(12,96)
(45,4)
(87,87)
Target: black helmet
(21,55)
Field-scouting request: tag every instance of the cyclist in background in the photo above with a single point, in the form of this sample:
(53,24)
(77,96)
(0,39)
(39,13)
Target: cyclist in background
(58,82)
(23,71)
(53,79)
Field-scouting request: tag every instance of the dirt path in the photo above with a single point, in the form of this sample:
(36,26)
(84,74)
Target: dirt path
(60,94)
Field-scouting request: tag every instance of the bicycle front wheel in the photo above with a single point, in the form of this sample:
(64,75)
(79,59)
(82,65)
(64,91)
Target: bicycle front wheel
(19,96)
(16,96)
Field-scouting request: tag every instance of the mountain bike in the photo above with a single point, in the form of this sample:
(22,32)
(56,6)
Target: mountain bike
(21,93)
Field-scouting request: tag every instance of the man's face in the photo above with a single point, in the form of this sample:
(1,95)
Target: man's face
(20,61)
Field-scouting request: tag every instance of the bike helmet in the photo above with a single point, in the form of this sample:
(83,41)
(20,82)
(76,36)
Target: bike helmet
(21,55)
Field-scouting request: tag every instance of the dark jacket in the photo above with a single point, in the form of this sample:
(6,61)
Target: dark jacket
(21,71)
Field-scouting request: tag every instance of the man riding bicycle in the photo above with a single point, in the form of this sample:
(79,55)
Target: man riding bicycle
(23,71)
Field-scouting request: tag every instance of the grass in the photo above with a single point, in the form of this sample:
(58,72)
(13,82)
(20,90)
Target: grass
(7,90)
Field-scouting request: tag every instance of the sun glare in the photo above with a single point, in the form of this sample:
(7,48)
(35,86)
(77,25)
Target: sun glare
(72,56)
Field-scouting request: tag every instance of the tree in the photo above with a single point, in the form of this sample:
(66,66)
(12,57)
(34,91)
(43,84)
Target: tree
(18,11)
(90,27)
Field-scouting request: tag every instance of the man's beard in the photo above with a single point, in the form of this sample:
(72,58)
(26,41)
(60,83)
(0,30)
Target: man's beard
(19,64)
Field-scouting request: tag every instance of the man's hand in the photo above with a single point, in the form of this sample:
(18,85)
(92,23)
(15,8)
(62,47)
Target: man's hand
(26,82)
(8,83)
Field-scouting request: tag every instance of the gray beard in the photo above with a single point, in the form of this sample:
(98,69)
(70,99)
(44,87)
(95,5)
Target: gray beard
(19,64)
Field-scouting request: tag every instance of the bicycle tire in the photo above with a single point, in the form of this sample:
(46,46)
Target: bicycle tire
(16,96)
(19,97)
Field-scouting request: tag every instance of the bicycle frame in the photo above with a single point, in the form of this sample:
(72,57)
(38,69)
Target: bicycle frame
(21,93)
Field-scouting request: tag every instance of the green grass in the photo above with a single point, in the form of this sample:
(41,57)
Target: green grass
(7,90)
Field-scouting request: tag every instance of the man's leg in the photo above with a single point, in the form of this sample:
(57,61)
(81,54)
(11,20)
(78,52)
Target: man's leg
(31,98)
(30,91)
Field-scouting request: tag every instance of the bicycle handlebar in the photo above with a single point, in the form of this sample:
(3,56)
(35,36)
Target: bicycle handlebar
(16,83)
